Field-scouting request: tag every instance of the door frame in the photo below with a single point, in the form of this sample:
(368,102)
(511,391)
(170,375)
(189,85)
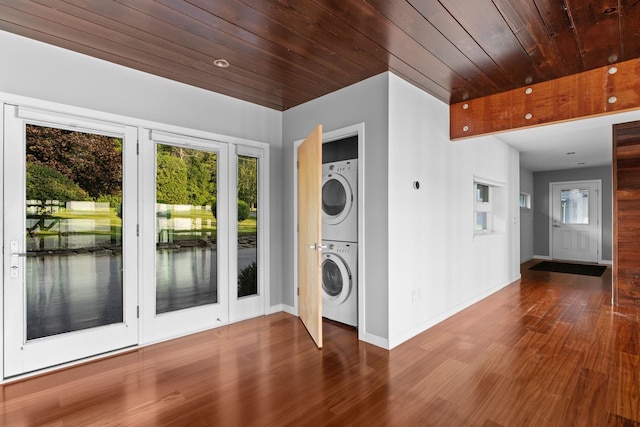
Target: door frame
(330,136)
(598,183)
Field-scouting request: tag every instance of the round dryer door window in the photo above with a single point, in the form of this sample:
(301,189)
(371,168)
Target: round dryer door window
(336,279)
(337,198)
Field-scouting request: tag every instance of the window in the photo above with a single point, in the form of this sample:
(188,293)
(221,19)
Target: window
(482,208)
(525,201)
(489,207)
(247,225)
(186,228)
(574,206)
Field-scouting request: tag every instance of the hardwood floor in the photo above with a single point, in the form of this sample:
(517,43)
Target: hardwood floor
(546,351)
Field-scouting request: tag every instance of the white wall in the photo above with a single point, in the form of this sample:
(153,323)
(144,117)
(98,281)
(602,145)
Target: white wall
(36,70)
(364,102)
(422,262)
(436,266)
(526,217)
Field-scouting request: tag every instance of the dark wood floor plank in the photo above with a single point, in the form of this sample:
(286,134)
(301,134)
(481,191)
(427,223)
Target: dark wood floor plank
(547,350)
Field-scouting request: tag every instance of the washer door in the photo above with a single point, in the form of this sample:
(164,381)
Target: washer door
(336,279)
(337,198)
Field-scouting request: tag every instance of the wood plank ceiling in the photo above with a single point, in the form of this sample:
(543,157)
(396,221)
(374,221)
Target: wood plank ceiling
(287,52)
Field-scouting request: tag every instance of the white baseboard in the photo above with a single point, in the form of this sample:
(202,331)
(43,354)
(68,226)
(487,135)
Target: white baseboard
(275,309)
(289,309)
(362,336)
(547,257)
(418,329)
(374,340)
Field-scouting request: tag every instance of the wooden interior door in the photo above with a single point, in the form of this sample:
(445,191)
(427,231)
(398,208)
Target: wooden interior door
(310,234)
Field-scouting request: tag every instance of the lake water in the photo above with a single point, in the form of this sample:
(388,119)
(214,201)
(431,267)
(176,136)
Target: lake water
(75,291)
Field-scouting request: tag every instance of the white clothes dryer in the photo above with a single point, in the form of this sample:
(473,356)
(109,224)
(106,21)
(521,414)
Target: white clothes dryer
(340,282)
(340,201)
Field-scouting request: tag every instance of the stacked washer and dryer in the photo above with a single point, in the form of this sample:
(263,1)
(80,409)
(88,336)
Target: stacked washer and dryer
(340,230)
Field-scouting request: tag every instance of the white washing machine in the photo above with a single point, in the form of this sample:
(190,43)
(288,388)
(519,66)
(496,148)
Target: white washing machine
(340,282)
(340,201)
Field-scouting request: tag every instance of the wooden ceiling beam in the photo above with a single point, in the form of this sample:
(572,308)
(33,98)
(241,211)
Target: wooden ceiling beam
(606,90)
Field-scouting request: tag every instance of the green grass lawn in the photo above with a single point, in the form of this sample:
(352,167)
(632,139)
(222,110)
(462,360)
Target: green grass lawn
(246,227)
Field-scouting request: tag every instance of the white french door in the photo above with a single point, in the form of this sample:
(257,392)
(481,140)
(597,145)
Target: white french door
(118,235)
(575,217)
(70,208)
(184,234)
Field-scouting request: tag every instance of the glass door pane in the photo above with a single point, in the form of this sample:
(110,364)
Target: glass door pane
(186,228)
(73,271)
(247,226)
(574,205)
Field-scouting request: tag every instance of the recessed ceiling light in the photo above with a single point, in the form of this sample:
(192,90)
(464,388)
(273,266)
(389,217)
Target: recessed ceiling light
(221,63)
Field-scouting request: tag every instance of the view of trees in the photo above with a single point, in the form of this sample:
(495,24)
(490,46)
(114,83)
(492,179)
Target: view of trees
(247,180)
(45,183)
(69,165)
(185,176)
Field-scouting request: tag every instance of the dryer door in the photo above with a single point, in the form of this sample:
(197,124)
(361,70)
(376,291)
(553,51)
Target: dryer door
(336,279)
(337,198)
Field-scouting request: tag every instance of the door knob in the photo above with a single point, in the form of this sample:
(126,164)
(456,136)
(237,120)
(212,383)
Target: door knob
(317,247)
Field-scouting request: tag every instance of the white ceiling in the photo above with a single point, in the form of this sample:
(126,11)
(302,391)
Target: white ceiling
(545,148)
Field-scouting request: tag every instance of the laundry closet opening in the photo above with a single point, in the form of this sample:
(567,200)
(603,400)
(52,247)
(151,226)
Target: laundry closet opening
(340,230)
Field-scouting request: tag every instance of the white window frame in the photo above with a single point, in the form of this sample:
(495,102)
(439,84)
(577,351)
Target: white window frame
(495,207)
(252,305)
(482,207)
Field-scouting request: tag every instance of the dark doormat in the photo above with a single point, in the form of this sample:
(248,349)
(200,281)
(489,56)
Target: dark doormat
(563,267)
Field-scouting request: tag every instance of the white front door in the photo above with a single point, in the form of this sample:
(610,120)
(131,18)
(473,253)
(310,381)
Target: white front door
(575,220)
(70,197)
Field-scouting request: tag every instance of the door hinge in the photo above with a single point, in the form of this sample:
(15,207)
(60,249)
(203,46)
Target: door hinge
(138,148)
(137,312)
(297,164)
(137,230)
(298,291)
